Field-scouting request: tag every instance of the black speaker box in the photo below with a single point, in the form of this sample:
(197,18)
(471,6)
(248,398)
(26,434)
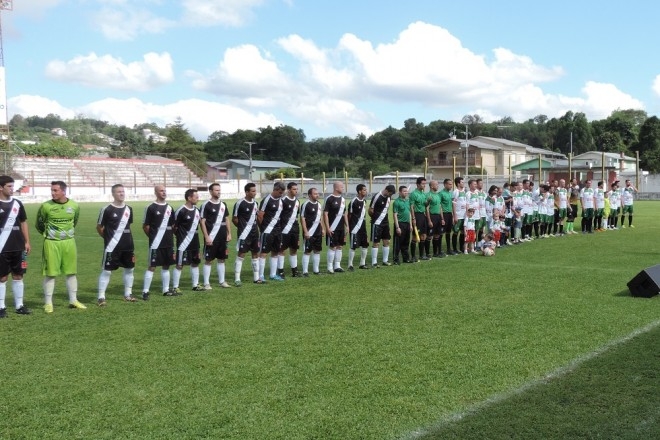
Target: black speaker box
(646,283)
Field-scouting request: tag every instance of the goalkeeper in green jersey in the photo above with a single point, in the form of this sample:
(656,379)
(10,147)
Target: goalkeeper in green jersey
(56,221)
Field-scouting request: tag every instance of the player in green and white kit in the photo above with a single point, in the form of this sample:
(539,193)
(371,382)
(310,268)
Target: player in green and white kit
(459,201)
(600,207)
(615,205)
(56,221)
(627,197)
(561,202)
(588,201)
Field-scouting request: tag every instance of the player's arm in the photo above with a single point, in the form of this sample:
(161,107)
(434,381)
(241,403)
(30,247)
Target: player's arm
(42,218)
(202,226)
(76,216)
(303,225)
(228,226)
(25,230)
(326,222)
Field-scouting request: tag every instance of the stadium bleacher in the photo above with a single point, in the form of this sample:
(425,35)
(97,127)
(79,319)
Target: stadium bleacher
(103,172)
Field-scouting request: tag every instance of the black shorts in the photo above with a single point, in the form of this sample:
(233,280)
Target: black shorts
(359,239)
(420,222)
(270,242)
(12,262)
(118,258)
(436,229)
(161,257)
(449,222)
(380,232)
(217,250)
(314,244)
(188,257)
(249,244)
(337,239)
(291,240)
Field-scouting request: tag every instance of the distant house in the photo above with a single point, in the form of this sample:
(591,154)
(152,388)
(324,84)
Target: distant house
(594,165)
(155,137)
(58,132)
(495,156)
(109,140)
(240,169)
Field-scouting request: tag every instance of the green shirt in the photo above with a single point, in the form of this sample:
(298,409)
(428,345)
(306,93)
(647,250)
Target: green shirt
(446,200)
(56,221)
(434,202)
(418,200)
(401,208)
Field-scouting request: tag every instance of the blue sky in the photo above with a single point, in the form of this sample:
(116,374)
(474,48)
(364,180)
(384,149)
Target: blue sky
(331,68)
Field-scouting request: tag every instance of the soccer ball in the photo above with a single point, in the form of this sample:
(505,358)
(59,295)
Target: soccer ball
(488,252)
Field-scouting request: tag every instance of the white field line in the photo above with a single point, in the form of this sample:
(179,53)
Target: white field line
(559,372)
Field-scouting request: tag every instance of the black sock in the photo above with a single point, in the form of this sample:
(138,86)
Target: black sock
(422,247)
(454,242)
(630,220)
(413,249)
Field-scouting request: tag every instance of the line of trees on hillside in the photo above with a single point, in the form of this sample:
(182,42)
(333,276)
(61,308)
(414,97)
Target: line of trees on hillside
(387,150)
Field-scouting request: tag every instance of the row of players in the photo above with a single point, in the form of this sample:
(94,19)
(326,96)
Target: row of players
(461,214)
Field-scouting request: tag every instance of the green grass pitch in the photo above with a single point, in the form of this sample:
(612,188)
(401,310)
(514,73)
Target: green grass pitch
(460,347)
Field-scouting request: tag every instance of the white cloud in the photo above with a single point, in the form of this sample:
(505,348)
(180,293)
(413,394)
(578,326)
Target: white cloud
(31,105)
(108,72)
(656,85)
(245,74)
(34,8)
(233,13)
(125,21)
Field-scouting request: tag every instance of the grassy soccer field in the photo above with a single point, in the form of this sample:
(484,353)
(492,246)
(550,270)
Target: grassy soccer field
(541,341)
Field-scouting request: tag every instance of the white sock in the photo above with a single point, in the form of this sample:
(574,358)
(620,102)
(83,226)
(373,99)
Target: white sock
(293,261)
(374,256)
(280,261)
(331,259)
(206,274)
(338,253)
(363,256)
(238,265)
(256,268)
(305,262)
(72,288)
(316,262)
(104,280)
(386,253)
(129,277)
(351,257)
(262,267)
(176,277)
(165,277)
(274,262)
(194,274)
(220,266)
(49,288)
(3,294)
(148,277)
(18,288)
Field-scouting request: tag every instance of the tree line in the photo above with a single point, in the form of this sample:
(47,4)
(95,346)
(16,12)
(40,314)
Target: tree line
(387,150)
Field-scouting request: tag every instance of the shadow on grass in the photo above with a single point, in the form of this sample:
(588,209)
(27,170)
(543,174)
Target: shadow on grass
(614,395)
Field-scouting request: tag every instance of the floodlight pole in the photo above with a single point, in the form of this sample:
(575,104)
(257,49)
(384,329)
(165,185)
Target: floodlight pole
(467,146)
(250,157)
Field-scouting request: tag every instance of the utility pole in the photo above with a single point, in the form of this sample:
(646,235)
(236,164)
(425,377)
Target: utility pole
(467,146)
(5,5)
(250,158)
